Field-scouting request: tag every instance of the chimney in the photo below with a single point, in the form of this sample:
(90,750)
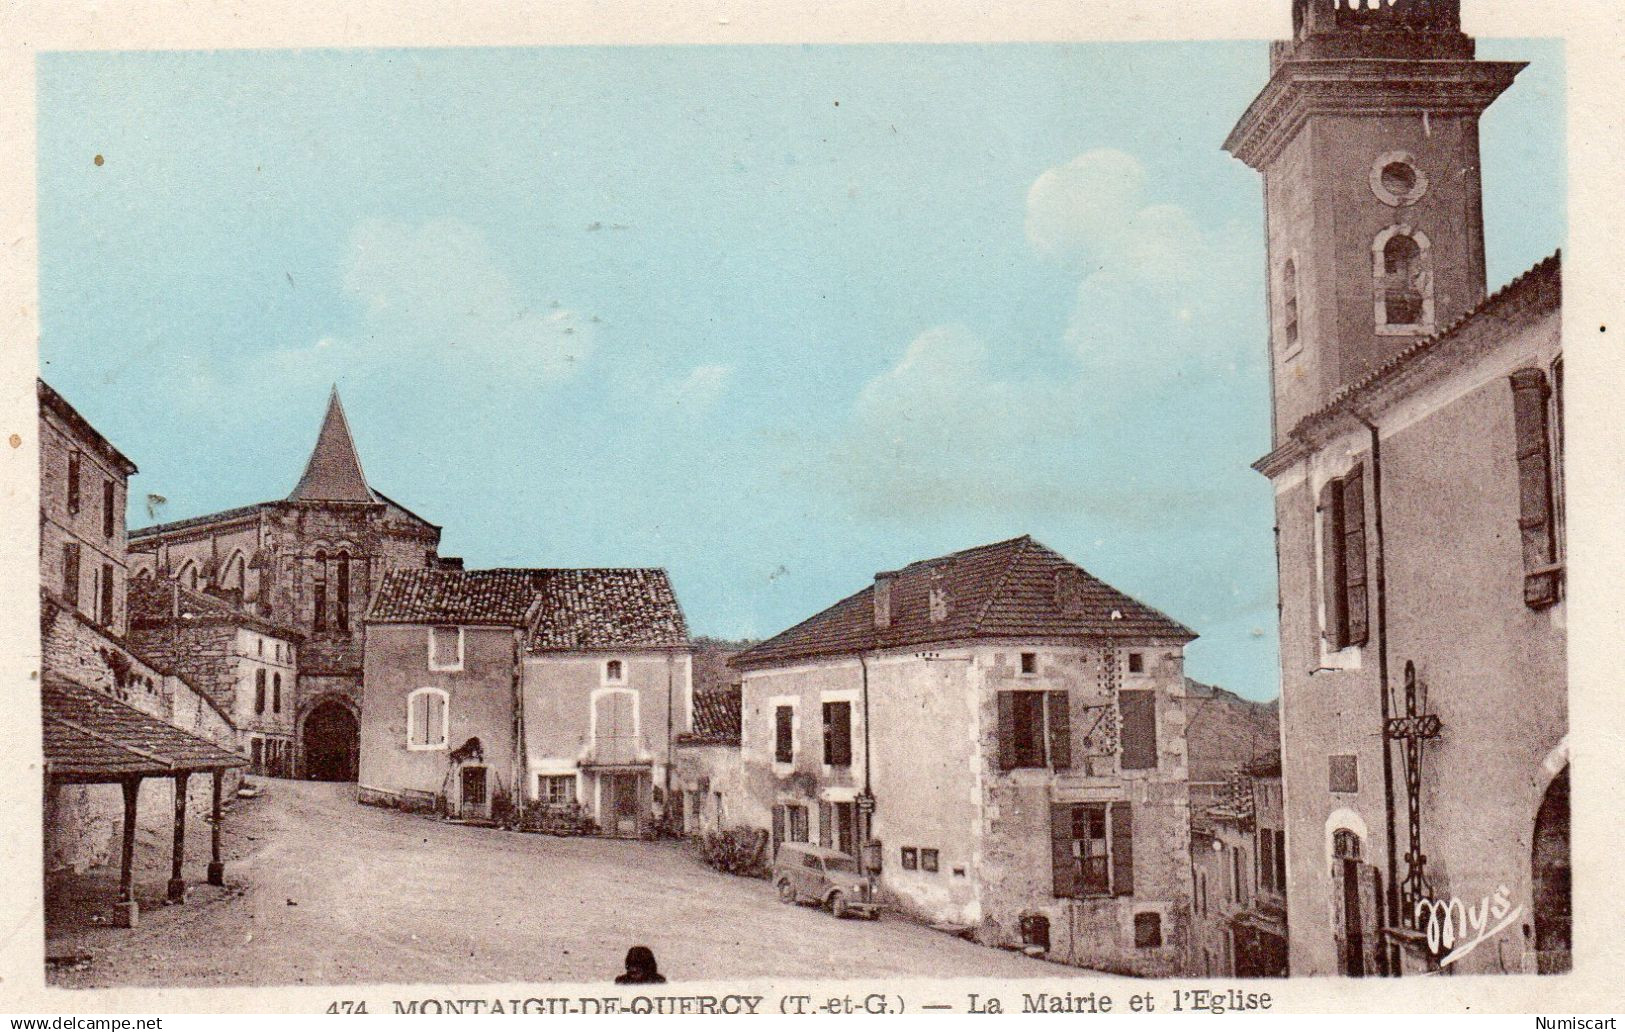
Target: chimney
(883,586)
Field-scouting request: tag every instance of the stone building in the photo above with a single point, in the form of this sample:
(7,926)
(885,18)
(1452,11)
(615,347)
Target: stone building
(1417,469)
(248,665)
(1007,733)
(486,689)
(709,773)
(1238,860)
(310,562)
(122,732)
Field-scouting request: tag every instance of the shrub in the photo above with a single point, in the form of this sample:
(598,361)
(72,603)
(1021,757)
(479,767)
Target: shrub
(738,850)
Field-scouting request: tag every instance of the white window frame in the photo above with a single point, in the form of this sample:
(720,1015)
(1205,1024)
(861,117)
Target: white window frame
(434,664)
(412,744)
(607,680)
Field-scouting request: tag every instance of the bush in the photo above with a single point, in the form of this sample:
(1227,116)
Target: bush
(738,850)
(553,819)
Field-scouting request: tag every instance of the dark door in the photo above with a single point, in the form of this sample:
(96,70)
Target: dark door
(624,804)
(1354,939)
(332,743)
(474,797)
(1551,879)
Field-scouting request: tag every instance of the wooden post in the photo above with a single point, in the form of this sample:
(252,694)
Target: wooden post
(217,867)
(127,911)
(177,884)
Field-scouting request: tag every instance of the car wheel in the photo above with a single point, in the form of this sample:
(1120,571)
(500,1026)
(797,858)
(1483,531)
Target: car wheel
(787,892)
(837,904)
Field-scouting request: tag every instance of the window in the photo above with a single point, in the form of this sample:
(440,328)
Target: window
(427,719)
(1343,773)
(1035,730)
(1092,849)
(108,521)
(318,616)
(1266,859)
(556,789)
(929,860)
(341,613)
(614,671)
(1201,892)
(445,648)
(1136,662)
(1534,453)
(1345,844)
(75,461)
(70,573)
(259,691)
(257,752)
(796,823)
(1029,662)
(1403,276)
(784,741)
(1280,860)
(1343,563)
(1137,712)
(1147,930)
(911,858)
(1238,881)
(276,693)
(838,734)
(259,646)
(1289,306)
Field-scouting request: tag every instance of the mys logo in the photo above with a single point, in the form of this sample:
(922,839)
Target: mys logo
(1457,928)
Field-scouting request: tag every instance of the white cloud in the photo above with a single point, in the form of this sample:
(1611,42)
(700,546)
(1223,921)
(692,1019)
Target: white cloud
(433,295)
(700,390)
(1073,208)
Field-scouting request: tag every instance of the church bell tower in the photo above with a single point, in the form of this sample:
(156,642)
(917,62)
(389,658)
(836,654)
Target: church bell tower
(1367,137)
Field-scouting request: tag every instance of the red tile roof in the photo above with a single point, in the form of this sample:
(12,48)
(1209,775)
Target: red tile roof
(716,718)
(90,737)
(1016,589)
(563,609)
(470,597)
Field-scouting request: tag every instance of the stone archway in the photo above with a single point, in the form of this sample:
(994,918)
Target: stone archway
(331,742)
(1550,880)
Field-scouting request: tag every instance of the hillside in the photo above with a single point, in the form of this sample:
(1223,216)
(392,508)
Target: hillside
(711,662)
(1224,731)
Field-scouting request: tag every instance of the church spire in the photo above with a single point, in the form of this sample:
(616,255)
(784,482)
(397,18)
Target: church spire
(334,471)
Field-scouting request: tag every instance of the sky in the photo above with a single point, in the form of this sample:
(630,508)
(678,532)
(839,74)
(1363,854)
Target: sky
(774,318)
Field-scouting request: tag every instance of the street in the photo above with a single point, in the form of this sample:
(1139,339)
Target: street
(322,890)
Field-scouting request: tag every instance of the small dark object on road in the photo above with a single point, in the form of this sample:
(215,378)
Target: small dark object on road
(640,968)
(293,903)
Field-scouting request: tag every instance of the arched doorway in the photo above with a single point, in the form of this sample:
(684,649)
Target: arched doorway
(1549,874)
(332,742)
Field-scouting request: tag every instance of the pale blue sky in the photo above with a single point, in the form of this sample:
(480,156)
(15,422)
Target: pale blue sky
(772,317)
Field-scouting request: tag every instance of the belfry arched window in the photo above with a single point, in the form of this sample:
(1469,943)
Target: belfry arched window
(1402,270)
(341,572)
(318,618)
(1289,306)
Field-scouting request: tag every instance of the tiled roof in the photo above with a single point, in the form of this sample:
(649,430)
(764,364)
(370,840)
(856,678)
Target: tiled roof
(92,737)
(153,603)
(564,610)
(607,609)
(716,718)
(498,597)
(1016,589)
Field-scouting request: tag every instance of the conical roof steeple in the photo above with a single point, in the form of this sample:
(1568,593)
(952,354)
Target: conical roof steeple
(334,471)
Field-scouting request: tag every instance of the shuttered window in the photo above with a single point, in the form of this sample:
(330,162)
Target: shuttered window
(1343,560)
(838,734)
(1536,522)
(75,461)
(1035,730)
(259,691)
(1138,712)
(104,604)
(109,521)
(1092,849)
(70,573)
(784,743)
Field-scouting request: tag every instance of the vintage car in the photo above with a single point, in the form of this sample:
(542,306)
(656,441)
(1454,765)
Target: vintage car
(827,877)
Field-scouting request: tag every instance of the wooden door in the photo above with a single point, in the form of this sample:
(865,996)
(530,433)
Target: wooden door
(624,804)
(475,798)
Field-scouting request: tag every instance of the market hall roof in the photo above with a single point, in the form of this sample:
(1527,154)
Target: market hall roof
(1016,589)
(159,603)
(562,610)
(91,737)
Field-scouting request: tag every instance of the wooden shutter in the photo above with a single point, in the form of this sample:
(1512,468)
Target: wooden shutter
(826,822)
(1122,832)
(1354,591)
(1137,711)
(1063,865)
(1060,731)
(1007,730)
(1266,858)
(1280,861)
(838,734)
(783,729)
(1533,449)
(1331,563)
(70,573)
